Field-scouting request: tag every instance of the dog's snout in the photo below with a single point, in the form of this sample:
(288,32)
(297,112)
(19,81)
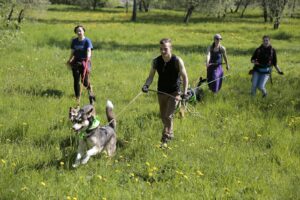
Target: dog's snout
(76,127)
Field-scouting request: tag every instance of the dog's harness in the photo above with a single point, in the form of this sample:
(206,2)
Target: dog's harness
(86,133)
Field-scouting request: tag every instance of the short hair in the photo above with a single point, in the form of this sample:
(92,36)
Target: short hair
(266,37)
(79,26)
(165,40)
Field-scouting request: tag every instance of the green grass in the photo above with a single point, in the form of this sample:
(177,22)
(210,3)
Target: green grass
(232,147)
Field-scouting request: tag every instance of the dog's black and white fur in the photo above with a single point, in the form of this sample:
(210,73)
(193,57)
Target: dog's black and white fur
(95,138)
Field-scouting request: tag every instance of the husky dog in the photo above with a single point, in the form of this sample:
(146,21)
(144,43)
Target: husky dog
(91,134)
(193,95)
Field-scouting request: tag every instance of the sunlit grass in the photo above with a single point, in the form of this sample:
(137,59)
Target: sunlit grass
(231,147)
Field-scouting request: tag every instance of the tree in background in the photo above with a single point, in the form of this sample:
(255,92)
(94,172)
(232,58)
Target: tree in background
(191,5)
(91,4)
(292,5)
(13,11)
(245,4)
(276,8)
(216,8)
(134,10)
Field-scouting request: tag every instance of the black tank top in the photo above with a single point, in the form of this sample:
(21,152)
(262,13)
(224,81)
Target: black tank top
(169,76)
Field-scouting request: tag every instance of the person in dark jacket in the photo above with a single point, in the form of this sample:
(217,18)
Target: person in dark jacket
(80,62)
(264,57)
(170,69)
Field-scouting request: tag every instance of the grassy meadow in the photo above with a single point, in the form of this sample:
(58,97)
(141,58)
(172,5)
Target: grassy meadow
(230,146)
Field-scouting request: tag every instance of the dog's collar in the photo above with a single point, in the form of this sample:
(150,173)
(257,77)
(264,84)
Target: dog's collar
(95,124)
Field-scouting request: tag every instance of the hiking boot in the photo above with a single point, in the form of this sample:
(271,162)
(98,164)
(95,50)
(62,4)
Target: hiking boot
(92,96)
(264,95)
(164,139)
(92,99)
(167,137)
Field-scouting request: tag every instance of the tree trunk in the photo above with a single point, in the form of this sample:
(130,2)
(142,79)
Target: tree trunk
(265,10)
(10,13)
(94,4)
(126,6)
(238,4)
(188,14)
(145,5)
(276,23)
(293,8)
(21,16)
(140,6)
(133,18)
(245,7)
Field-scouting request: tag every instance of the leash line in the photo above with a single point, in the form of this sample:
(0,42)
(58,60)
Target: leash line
(151,90)
(133,100)
(211,81)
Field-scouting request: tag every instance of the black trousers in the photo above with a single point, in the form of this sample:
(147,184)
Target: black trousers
(80,74)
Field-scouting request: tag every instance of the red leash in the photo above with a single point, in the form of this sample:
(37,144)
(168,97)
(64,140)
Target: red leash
(85,67)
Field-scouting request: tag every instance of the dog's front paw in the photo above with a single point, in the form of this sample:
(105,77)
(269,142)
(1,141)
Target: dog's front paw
(76,164)
(85,160)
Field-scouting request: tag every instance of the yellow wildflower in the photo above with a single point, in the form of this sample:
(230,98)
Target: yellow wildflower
(24,188)
(199,173)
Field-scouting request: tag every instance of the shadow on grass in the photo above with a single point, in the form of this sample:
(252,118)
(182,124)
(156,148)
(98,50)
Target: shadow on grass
(78,9)
(68,147)
(152,17)
(53,93)
(113,46)
(182,49)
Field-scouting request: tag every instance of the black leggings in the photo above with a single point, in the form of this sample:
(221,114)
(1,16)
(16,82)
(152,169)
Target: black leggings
(78,73)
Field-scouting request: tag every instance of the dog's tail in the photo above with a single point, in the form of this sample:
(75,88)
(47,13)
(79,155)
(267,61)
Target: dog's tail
(110,115)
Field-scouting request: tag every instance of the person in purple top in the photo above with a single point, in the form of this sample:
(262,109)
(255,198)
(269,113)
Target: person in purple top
(263,58)
(80,62)
(215,54)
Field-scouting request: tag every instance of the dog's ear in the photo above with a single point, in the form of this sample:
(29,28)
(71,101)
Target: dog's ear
(70,111)
(90,112)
